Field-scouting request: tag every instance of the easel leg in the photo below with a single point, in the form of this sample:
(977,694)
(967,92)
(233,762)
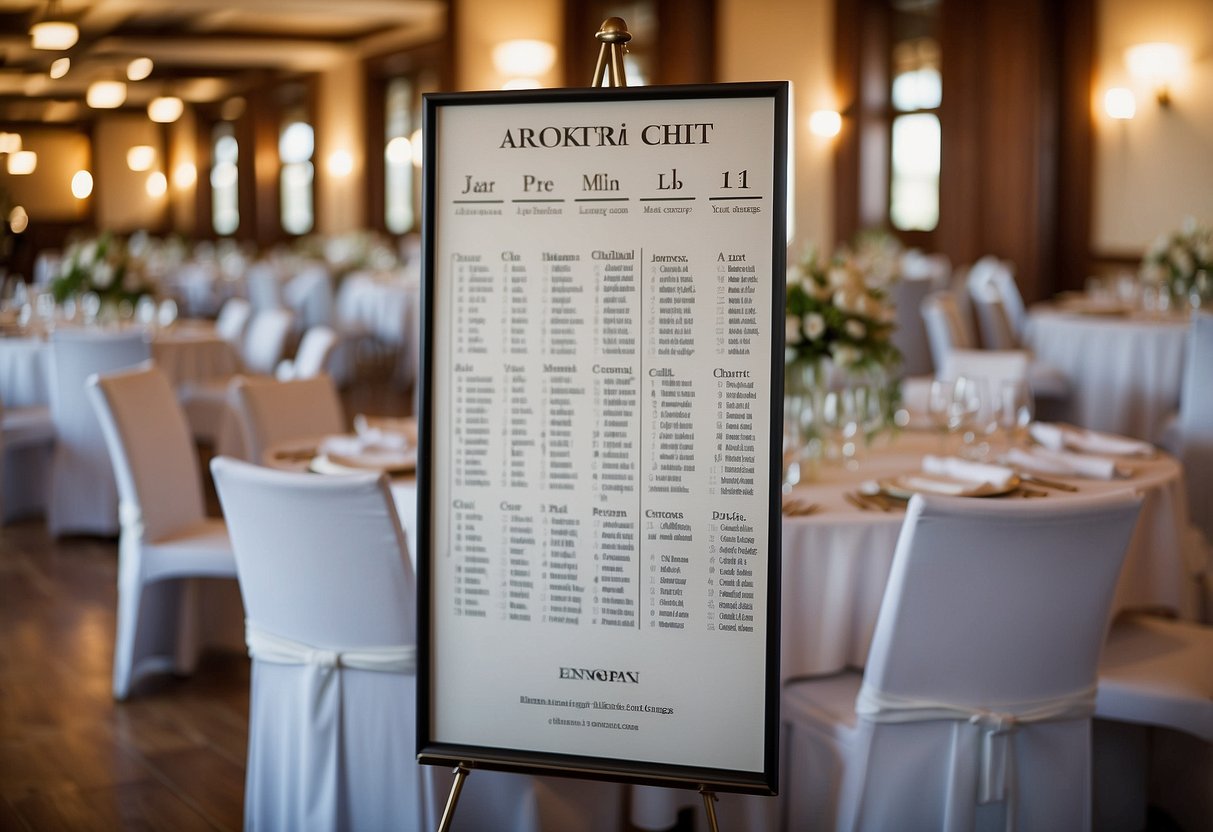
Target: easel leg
(448,814)
(709,806)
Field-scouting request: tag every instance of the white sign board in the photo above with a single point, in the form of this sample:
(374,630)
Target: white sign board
(599,505)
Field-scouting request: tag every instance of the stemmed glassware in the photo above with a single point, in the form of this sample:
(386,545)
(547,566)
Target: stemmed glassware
(1017,411)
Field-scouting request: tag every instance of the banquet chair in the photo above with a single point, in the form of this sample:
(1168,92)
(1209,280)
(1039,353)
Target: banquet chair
(27,442)
(947,328)
(207,402)
(312,356)
(1195,425)
(1154,723)
(84,496)
(166,536)
(332,712)
(264,287)
(233,321)
(271,411)
(997,303)
(975,704)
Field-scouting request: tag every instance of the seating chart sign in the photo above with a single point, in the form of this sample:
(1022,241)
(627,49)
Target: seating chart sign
(599,504)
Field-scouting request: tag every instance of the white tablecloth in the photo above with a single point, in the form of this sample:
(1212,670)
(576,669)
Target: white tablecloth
(185,353)
(1124,372)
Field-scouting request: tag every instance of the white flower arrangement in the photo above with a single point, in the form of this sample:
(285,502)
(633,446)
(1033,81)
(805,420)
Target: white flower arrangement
(1182,262)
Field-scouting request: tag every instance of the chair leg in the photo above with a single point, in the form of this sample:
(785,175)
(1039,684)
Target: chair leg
(129,600)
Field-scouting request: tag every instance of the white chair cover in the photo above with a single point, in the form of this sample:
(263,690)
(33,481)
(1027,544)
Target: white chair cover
(275,411)
(265,341)
(996,366)
(165,532)
(946,327)
(975,703)
(312,358)
(264,288)
(910,334)
(998,303)
(233,320)
(27,441)
(84,497)
(1196,422)
(331,615)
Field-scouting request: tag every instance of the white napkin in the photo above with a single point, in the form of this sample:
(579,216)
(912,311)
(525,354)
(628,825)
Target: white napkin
(1047,462)
(372,441)
(1059,436)
(972,473)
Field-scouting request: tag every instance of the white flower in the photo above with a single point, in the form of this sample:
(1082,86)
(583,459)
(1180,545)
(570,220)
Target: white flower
(866,305)
(839,277)
(792,330)
(1181,260)
(88,252)
(847,300)
(814,326)
(845,355)
(855,329)
(103,275)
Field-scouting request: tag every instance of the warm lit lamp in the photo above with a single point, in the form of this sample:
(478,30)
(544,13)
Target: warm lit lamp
(418,151)
(825,123)
(399,151)
(105,95)
(165,109)
(1119,103)
(82,184)
(59,67)
(157,184)
(523,61)
(1157,64)
(22,163)
(140,157)
(185,175)
(139,69)
(340,163)
(10,142)
(51,32)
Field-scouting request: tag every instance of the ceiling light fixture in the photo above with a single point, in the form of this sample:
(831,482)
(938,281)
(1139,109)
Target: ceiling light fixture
(141,157)
(106,95)
(52,32)
(22,163)
(165,109)
(138,69)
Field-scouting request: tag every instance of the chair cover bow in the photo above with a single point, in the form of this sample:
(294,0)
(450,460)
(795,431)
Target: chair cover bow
(996,779)
(270,647)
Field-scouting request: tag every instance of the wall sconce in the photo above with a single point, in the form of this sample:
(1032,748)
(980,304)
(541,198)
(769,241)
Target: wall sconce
(22,163)
(141,157)
(825,123)
(82,184)
(523,61)
(157,185)
(165,109)
(10,142)
(52,32)
(185,175)
(1158,64)
(1120,103)
(105,95)
(340,163)
(59,68)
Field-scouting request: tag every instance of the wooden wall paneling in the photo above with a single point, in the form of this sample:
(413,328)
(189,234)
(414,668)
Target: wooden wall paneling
(1076,143)
(261,118)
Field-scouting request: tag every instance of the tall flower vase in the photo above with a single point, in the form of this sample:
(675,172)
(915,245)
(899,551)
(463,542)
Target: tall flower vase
(803,445)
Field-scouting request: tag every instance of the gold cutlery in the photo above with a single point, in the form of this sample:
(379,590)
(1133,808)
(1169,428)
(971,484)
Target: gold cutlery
(798,508)
(1060,486)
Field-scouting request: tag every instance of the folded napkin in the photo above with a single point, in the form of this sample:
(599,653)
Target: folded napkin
(372,442)
(1058,436)
(1047,462)
(967,472)
(388,431)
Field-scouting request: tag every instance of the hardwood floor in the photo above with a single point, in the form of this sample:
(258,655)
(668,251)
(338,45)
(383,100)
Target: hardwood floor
(72,758)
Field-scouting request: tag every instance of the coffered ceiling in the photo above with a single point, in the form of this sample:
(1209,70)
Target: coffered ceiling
(202,50)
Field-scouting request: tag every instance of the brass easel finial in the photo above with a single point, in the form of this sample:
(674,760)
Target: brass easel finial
(613,34)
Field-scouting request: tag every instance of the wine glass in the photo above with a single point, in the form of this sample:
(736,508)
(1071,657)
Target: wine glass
(1017,410)
(939,408)
(963,413)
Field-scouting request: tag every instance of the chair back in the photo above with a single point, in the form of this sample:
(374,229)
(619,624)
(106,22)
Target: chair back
(265,341)
(274,411)
(977,695)
(264,287)
(910,333)
(155,465)
(946,327)
(999,602)
(996,367)
(84,496)
(233,320)
(1196,422)
(997,303)
(311,359)
(339,540)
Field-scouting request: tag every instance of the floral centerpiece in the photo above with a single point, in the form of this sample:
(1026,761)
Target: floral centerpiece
(1182,263)
(839,319)
(101,266)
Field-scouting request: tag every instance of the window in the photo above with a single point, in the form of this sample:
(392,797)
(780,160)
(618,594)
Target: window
(225,190)
(296,144)
(915,96)
(401,148)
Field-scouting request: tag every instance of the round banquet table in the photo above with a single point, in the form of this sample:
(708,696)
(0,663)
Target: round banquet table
(187,352)
(1125,370)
